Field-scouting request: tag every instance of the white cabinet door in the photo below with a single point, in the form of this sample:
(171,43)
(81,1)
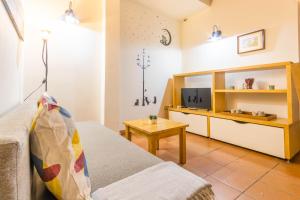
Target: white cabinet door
(197,123)
(265,139)
(177,117)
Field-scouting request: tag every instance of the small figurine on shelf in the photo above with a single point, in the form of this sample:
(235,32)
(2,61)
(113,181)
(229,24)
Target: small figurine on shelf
(249,83)
(259,114)
(236,111)
(232,87)
(271,87)
(153,119)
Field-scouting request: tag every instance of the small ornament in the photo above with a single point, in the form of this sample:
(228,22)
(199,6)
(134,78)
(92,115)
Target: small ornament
(166,40)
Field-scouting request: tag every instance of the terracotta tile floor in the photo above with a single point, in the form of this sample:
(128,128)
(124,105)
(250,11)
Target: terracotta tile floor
(234,172)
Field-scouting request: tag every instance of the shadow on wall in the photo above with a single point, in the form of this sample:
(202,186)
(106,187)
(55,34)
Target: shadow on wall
(167,99)
(297,80)
(296,89)
(229,43)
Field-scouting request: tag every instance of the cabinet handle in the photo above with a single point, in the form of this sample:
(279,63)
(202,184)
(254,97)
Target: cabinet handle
(240,122)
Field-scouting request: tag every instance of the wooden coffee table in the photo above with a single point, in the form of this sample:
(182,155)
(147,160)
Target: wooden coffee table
(154,132)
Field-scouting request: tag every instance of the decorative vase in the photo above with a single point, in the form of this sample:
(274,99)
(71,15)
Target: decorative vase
(249,83)
(232,87)
(153,121)
(271,87)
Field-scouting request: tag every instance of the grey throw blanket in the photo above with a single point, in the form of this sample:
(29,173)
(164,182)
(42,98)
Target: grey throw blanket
(164,181)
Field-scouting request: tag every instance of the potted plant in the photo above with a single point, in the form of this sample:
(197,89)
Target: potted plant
(153,119)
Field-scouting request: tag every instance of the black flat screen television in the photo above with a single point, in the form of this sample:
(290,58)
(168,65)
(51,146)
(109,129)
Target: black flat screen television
(196,98)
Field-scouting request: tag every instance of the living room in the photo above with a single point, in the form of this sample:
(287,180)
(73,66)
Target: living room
(210,85)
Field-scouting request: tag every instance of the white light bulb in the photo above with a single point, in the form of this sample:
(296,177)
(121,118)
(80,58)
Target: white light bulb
(71,19)
(45,34)
(69,16)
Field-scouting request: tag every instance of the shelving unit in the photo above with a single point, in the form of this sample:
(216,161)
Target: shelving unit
(219,91)
(279,122)
(253,91)
(191,111)
(289,126)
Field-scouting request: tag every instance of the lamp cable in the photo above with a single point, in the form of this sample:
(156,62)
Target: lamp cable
(45,62)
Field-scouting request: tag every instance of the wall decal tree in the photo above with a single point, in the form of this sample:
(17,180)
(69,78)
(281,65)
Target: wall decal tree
(143,62)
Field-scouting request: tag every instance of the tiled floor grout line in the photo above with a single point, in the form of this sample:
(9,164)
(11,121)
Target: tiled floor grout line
(225,165)
(203,155)
(263,175)
(241,192)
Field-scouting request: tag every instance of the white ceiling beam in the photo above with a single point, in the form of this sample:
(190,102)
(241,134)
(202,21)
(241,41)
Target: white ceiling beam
(207,2)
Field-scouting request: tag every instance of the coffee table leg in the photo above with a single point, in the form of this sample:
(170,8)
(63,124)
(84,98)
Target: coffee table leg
(152,143)
(157,144)
(127,133)
(182,146)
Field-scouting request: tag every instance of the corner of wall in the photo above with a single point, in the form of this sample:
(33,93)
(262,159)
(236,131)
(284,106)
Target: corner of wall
(112,65)
(297,87)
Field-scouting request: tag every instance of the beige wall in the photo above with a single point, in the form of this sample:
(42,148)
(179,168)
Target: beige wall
(112,65)
(131,27)
(235,17)
(141,28)
(78,54)
(10,63)
(75,55)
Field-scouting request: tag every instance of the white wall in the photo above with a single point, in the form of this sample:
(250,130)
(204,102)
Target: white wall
(76,60)
(75,55)
(279,18)
(10,63)
(235,17)
(112,65)
(141,28)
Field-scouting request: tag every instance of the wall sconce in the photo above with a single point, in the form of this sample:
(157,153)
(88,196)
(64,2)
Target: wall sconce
(69,16)
(216,34)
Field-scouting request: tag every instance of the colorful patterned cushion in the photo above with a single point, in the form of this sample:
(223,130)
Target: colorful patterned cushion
(57,153)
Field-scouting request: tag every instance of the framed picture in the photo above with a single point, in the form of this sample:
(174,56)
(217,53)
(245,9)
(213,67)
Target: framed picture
(15,12)
(249,42)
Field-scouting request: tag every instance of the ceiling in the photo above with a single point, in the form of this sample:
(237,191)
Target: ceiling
(88,10)
(178,9)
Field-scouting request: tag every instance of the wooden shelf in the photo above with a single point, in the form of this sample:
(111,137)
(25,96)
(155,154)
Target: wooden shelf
(219,103)
(271,66)
(279,122)
(192,111)
(253,91)
(184,75)
(290,124)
